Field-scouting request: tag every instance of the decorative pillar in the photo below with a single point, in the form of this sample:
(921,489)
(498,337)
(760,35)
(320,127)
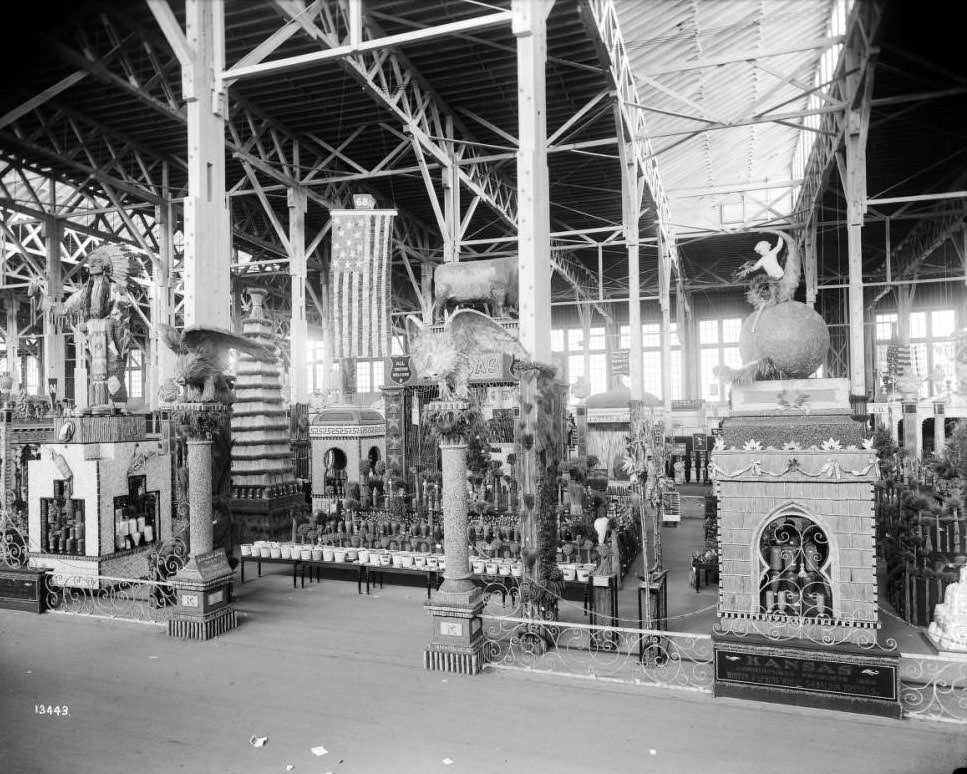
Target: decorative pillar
(911,434)
(203,587)
(199,494)
(457,641)
(581,425)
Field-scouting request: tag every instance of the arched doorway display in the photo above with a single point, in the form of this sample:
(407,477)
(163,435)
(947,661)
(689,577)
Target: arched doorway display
(373,456)
(335,461)
(794,559)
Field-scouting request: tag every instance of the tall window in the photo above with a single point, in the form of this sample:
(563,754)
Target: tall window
(719,346)
(651,358)
(369,375)
(31,372)
(315,373)
(570,342)
(931,351)
(134,374)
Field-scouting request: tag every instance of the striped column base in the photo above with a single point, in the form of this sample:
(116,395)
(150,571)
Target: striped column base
(203,629)
(448,661)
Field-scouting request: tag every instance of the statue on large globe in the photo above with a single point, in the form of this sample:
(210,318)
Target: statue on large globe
(782,338)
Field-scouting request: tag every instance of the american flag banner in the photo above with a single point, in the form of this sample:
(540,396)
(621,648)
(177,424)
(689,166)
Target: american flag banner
(359,282)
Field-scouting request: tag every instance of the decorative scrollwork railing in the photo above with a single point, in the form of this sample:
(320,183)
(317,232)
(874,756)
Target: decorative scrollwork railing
(821,631)
(13,543)
(125,599)
(639,656)
(933,688)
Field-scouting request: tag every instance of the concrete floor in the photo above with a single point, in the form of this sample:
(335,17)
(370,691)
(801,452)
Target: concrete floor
(324,666)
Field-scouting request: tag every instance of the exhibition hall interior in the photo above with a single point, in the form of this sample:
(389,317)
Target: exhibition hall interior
(417,385)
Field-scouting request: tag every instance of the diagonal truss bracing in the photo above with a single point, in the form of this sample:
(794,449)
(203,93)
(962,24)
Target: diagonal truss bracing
(601,20)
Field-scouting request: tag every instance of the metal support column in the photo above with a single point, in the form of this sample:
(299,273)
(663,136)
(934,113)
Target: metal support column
(299,325)
(854,186)
(631,191)
(161,360)
(12,340)
(54,354)
(533,194)
(208,243)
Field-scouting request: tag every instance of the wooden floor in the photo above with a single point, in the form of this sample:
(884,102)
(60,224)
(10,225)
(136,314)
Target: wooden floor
(324,666)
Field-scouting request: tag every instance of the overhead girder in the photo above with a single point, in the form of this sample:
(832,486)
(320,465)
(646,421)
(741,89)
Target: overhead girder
(844,93)
(388,76)
(601,21)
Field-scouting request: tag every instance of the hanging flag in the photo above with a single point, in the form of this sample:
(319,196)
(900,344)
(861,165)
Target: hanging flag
(359,279)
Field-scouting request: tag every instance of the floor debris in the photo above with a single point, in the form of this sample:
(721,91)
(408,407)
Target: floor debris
(258,741)
(320,750)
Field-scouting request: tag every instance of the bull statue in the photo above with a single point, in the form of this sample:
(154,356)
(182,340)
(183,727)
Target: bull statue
(492,281)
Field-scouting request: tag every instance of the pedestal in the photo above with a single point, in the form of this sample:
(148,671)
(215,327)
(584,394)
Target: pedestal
(457,641)
(203,590)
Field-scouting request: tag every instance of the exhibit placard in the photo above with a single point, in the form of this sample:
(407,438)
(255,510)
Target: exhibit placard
(842,677)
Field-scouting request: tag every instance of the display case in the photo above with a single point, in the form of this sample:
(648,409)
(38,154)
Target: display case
(135,515)
(62,522)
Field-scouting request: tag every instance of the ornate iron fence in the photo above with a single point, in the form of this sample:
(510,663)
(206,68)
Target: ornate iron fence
(933,687)
(125,599)
(638,656)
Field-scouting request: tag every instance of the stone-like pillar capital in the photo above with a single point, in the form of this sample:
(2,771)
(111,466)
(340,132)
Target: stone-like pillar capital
(451,419)
(199,419)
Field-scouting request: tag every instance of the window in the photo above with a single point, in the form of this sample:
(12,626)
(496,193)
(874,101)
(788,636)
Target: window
(134,374)
(315,373)
(369,375)
(718,343)
(794,567)
(557,340)
(651,358)
(31,380)
(931,351)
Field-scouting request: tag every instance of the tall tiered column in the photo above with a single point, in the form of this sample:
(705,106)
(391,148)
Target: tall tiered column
(457,641)
(264,489)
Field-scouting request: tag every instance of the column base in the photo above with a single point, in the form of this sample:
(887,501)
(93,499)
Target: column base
(192,628)
(203,609)
(457,642)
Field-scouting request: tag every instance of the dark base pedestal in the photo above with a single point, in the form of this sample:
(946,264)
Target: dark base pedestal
(22,589)
(457,642)
(844,678)
(188,628)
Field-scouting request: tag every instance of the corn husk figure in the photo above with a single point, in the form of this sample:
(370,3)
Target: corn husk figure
(100,310)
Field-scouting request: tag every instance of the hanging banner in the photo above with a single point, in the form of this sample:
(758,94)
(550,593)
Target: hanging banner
(359,279)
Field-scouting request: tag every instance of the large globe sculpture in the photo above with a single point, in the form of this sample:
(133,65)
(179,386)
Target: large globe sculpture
(792,335)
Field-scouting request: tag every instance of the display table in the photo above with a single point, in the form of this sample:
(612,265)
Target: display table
(433,577)
(259,560)
(700,567)
(334,567)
